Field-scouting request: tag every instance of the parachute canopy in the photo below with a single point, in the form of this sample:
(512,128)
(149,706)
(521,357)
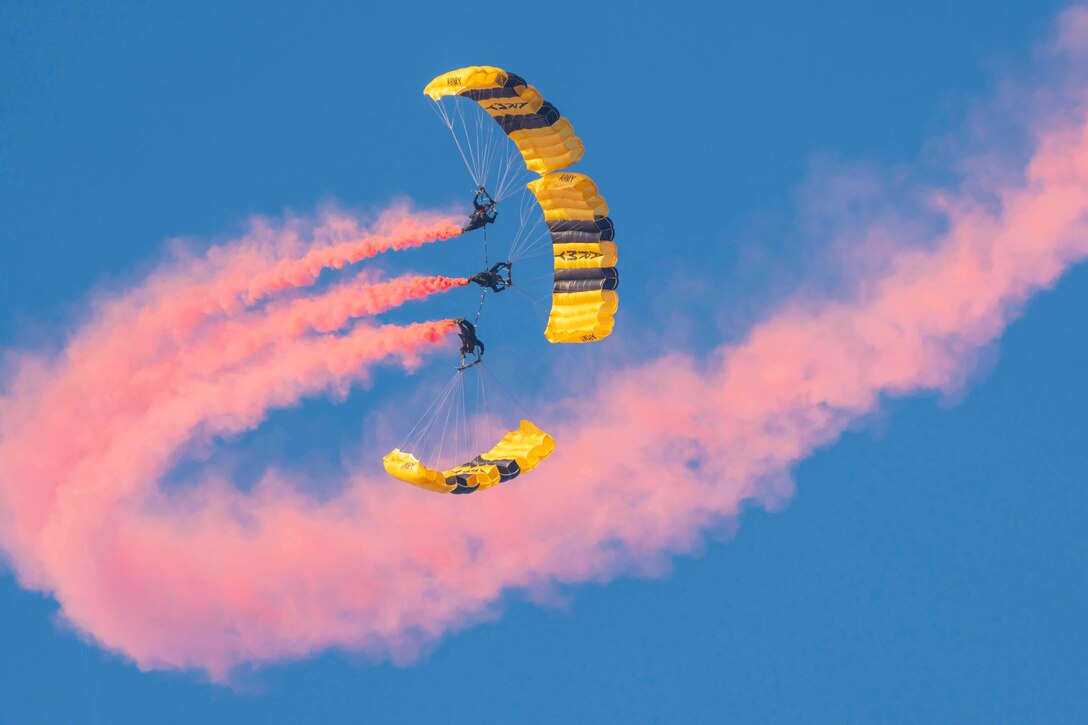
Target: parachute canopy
(519,451)
(546,140)
(584,298)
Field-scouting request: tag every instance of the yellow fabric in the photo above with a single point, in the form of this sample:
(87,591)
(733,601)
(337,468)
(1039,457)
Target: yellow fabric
(407,468)
(581,316)
(568,196)
(474,77)
(526,444)
(584,255)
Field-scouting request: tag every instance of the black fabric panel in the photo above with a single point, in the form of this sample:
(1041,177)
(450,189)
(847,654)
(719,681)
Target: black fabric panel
(508,467)
(461,488)
(522,123)
(566,231)
(586,273)
(485,94)
(585,285)
(586,280)
(461,481)
(513,79)
(572,237)
(546,116)
(549,112)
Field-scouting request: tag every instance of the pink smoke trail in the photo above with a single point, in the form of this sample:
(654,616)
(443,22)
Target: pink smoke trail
(409,232)
(222,343)
(330,311)
(268,258)
(211,577)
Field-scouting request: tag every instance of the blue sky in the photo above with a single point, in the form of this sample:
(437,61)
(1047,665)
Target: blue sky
(930,567)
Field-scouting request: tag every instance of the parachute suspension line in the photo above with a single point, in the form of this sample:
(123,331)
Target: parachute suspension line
(483,146)
(472,161)
(504,159)
(537,245)
(530,233)
(419,428)
(486,406)
(538,304)
(420,433)
(539,278)
(510,173)
(458,414)
(530,244)
(481,150)
(512,169)
(463,454)
(506,390)
(523,220)
(444,116)
(481,171)
(521,257)
(486,135)
(441,443)
(476,420)
(467,423)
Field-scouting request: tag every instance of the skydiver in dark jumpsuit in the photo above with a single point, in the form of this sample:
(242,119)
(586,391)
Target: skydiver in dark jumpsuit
(470,344)
(492,278)
(482,214)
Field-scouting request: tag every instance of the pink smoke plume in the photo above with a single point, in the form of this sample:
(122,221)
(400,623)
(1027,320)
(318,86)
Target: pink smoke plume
(330,311)
(210,577)
(268,258)
(403,233)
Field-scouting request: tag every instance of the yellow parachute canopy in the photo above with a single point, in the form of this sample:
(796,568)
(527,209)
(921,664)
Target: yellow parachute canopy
(546,140)
(584,298)
(519,451)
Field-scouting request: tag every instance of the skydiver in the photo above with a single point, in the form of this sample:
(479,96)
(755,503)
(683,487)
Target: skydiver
(482,214)
(492,278)
(470,344)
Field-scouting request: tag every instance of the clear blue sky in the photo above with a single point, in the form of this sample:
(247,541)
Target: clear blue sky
(931,566)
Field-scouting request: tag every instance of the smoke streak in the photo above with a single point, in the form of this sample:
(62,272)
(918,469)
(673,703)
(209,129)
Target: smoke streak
(268,258)
(210,577)
(406,232)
